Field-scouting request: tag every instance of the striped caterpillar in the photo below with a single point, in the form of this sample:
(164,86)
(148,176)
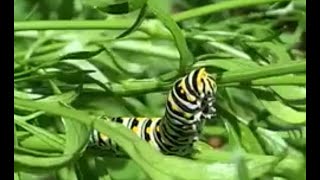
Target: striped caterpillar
(189,104)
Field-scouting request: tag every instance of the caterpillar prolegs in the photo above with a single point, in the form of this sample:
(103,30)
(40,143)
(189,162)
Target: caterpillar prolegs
(189,104)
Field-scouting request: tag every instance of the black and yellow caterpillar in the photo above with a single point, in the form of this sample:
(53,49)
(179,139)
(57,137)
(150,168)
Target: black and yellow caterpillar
(190,103)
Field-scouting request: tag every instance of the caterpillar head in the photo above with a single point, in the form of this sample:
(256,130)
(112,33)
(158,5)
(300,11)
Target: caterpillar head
(203,83)
(192,98)
(204,88)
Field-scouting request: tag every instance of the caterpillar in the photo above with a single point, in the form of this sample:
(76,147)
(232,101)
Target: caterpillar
(189,104)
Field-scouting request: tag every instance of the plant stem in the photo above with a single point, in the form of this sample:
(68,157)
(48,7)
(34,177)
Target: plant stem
(147,49)
(42,50)
(272,81)
(263,72)
(218,7)
(72,25)
(125,23)
(132,88)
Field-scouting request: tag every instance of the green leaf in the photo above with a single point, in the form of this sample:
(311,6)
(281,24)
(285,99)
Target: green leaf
(147,48)
(67,173)
(293,166)
(257,165)
(116,6)
(32,176)
(249,141)
(272,141)
(35,143)
(25,95)
(87,168)
(242,168)
(46,136)
(290,93)
(126,66)
(105,6)
(186,58)
(247,45)
(136,4)
(39,164)
(295,137)
(28,117)
(212,45)
(282,80)
(81,54)
(30,152)
(137,22)
(242,102)
(67,97)
(278,51)
(16,176)
(216,7)
(155,165)
(234,140)
(121,168)
(77,136)
(262,72)
(227,64)
(284,112)
(275,123)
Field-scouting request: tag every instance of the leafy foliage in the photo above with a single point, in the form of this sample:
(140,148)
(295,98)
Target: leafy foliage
(76,60)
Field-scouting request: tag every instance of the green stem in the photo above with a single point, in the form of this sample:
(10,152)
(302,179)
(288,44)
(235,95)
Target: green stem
(34,152)
(129,88)
(42,50)
(28,117)
(186,57)
(125,24)
(273,81)
(263,72)
(132,88)
(72,25)
(145,48)
(219,7)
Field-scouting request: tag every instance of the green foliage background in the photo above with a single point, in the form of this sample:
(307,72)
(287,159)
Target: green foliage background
(75,60)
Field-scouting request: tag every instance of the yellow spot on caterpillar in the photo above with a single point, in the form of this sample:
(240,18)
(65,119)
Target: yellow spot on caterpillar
(173,105)
(103,137)
(135,129)
(148,130)
(157,128)
(207,85)
(140,119)
(184,89)
(202,75)
(187,115)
